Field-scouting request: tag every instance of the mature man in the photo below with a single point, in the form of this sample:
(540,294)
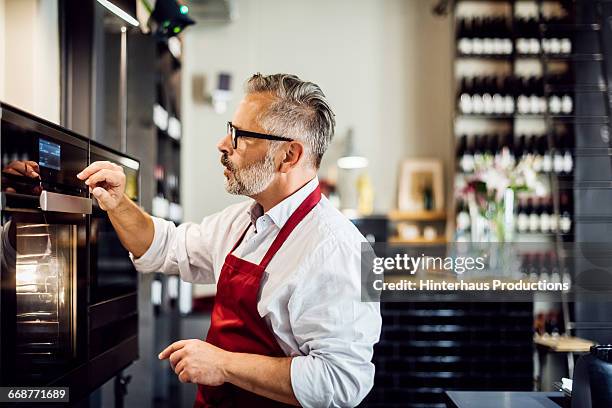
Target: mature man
(288,326)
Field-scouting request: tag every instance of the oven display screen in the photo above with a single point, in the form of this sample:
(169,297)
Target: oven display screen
(49,154)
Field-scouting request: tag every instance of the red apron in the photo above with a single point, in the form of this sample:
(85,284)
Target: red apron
(235,322)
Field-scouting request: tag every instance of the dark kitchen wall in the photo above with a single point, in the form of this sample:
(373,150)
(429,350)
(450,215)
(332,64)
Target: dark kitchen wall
(90,82)
(141,132)
(76,47)
(592,192)
(105,87)
(428,348)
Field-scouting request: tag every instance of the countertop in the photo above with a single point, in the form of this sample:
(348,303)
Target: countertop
(503,399)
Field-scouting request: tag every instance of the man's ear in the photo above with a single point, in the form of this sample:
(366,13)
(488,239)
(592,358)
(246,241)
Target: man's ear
(292,156)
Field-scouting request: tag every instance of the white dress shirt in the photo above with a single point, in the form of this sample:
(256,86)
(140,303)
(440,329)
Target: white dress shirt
(310,295)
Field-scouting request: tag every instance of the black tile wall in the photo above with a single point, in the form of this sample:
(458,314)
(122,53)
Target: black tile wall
(428,348)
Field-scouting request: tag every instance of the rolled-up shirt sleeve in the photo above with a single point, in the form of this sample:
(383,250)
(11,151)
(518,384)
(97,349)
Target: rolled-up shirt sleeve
(335,330)
(187,250)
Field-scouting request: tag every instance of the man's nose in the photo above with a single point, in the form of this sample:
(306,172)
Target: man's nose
(225,144)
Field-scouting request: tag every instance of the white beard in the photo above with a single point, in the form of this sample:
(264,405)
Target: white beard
(252,179)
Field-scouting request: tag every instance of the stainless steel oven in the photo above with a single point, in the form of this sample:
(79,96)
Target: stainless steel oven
(44,234)
(68,290)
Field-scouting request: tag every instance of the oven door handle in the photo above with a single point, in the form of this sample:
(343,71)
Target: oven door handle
(64,203)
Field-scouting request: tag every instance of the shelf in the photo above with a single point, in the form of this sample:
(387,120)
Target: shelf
(502,57)
(568,88)
(420,240)
(508,1)
(564,344)
(545,57)
(397,215)
(577,88)
(594,120)
(569,27)
(563,57)
(562,177)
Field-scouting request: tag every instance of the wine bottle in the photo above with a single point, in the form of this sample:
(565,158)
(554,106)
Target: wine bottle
(160,204)
(545,216)
(464,45)
(508,91)
(568,160)
(477,42)
(506,158)
(567,104)
(534,215)
(558,159)
(554,104)
(553,216)
(538,154)
(487,97)
(464,156)
(524,101)
(463,218)
(565,218)
(478,152)
(465,98)
(534,98)
(522,219)
(477,91)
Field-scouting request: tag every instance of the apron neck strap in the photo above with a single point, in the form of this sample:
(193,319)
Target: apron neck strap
(241,237)
(298,215)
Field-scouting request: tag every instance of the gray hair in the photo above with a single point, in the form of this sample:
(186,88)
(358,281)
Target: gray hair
(300,111)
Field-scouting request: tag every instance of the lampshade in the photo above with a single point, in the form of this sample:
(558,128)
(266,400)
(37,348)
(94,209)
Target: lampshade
(350,159)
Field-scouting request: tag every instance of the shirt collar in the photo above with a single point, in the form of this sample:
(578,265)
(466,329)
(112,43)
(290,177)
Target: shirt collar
(280,213)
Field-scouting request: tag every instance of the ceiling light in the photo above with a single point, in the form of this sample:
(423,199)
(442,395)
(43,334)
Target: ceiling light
(119,12)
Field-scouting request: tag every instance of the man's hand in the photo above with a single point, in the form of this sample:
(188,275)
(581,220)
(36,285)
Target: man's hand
(197,362)
(202,363)
(26,168)
(106,182)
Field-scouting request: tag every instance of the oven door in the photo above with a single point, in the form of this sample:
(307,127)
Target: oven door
(112,273)
(43,287)
(113,289)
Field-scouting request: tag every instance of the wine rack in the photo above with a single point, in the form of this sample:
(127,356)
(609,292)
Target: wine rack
(429,348)
(167,200)
(568,96)
(562,48)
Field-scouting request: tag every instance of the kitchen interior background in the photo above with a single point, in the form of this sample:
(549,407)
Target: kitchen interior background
(431,93)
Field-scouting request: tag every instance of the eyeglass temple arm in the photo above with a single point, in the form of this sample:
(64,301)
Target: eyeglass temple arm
(255,135)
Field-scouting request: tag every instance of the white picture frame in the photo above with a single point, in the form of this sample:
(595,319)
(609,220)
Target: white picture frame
(413,174)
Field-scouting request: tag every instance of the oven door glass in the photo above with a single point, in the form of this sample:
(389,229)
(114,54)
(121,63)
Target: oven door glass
(113,274)
(45,277)
(43,295)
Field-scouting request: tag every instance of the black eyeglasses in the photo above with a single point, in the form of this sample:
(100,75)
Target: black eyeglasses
(236,133)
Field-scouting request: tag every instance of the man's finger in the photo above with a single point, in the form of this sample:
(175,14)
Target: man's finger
(184,377)
(111,177)
(175,357)
(177,345)
(94,168)
(12,171)
(103,197)
(180,366)
(33,164)
(30,170)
